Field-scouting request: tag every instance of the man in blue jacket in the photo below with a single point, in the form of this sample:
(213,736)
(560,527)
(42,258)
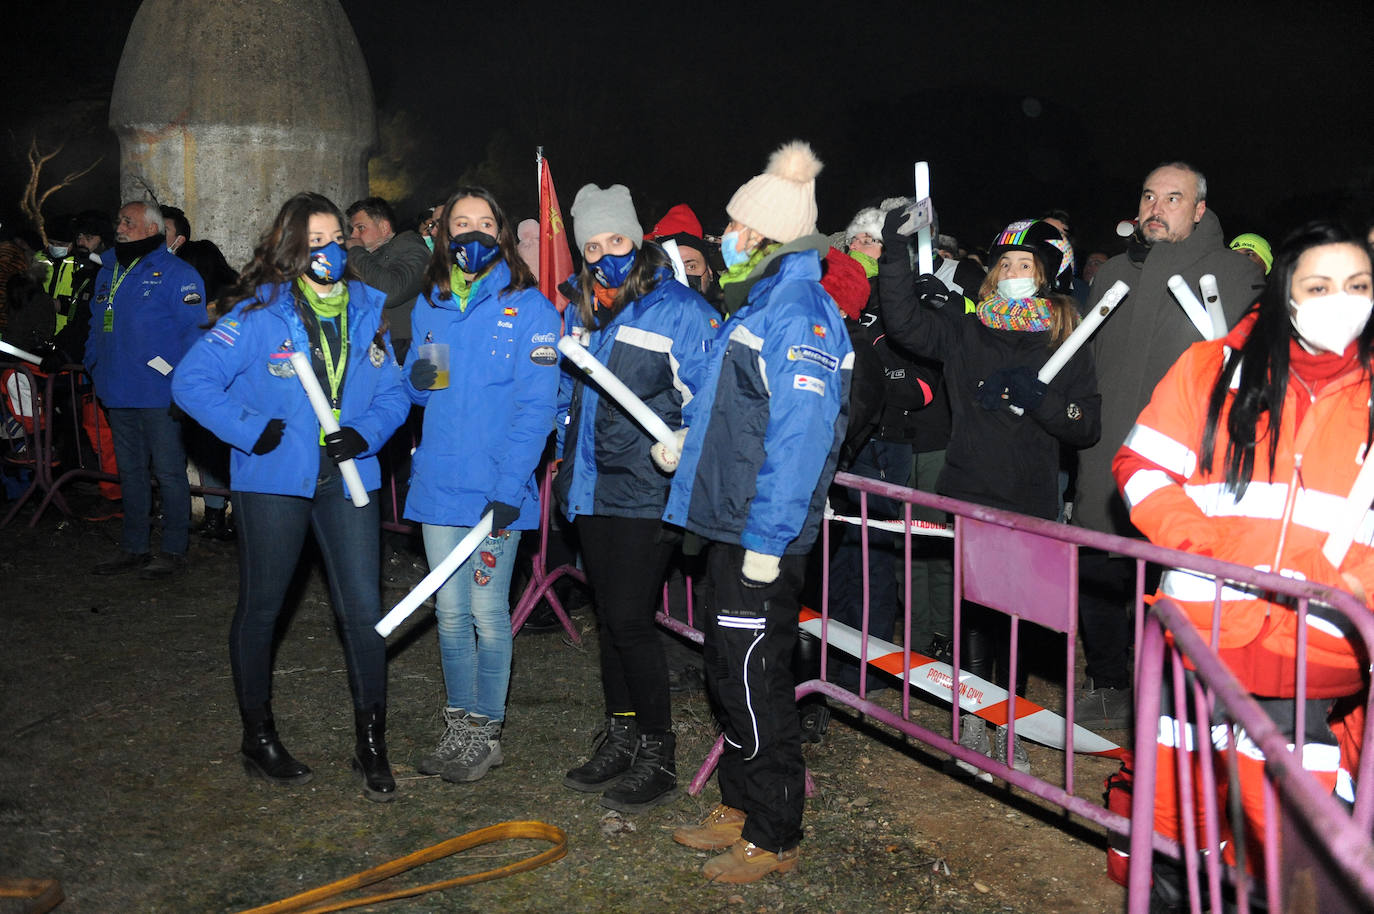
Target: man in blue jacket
(146,312)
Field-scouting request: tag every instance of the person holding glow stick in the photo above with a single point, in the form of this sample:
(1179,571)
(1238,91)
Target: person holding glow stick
(238,381)
(1272,423)
(1007,425)
(485,427)
(642,325)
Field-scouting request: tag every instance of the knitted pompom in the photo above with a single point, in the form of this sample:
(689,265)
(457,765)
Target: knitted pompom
(794,162)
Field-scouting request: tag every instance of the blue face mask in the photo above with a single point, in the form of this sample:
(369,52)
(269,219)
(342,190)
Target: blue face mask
(613,269)
(327,263)
(729,250)
(473,251)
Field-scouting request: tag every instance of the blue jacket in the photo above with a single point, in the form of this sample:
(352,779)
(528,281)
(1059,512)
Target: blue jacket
(606,466)
(159,308)
(238,377)
(485,432)
(770,413)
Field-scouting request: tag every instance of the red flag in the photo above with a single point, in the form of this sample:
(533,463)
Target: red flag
(555,259)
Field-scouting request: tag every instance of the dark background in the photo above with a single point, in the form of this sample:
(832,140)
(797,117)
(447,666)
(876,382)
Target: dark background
(1018,107)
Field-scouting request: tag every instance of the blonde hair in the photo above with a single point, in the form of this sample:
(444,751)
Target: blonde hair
(1064,316)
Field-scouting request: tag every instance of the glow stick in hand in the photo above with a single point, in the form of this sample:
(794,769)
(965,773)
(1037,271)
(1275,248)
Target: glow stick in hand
(616,390)
(1081,334)
(1191,306)
(925,258)
(1351,514)
(436,578)
(1211,297)
(325,414)
(20,353)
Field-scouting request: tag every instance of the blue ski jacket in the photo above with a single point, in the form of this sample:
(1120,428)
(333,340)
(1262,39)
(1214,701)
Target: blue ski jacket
(769,417)
(239,376)
(483,435)
(606,467)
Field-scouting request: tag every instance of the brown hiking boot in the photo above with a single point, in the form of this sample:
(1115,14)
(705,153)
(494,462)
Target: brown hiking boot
(747,862)
(720,829)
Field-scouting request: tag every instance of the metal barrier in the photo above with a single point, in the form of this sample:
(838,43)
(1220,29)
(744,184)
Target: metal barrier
(1026,569)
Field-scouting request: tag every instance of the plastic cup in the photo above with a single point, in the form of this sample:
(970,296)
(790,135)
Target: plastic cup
(438,354)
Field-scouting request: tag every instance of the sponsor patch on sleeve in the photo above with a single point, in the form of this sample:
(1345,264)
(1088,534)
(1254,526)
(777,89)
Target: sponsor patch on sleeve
(812,354)
(544,355)
(191,298)
(806,382)
(225,331)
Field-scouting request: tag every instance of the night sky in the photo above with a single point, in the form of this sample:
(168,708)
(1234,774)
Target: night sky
(1018,107)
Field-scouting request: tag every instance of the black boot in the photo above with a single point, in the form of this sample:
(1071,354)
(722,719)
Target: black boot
(263,754)
(611,758)
(651,780)
(369,758)
(212,528)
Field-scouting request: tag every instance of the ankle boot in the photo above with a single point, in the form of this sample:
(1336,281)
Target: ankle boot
(369,758)
(651,780)
(213,526)
(263,754)
(610,759)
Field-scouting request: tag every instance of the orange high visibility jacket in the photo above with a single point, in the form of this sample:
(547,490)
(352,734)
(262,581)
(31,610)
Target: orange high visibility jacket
(1181,505)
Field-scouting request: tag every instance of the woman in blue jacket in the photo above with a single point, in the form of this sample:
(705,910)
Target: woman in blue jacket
(642,324)
(482,438)
(238,381)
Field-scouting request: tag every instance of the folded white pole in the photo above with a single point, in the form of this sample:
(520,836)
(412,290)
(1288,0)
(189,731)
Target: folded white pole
(436,578)
(323,412)
(1211,297)
(1191,306)
(20,353)
(616,389)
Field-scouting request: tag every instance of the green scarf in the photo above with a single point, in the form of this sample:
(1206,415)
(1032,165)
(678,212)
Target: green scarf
(328,306)
(868,263)
(741,271)
(463,289)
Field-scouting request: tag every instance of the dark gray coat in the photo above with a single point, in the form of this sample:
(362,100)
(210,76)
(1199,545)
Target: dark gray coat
(397,268)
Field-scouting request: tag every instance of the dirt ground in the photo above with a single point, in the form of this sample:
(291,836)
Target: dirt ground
(119,775)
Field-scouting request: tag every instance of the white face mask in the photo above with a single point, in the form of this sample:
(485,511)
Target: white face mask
(58,251)
(1020,287)
(1330,323)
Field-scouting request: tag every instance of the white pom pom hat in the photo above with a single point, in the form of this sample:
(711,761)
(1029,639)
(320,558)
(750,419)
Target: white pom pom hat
(781,202)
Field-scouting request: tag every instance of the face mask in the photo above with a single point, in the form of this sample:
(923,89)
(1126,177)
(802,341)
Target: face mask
(429,242)
(58,251)
(612,269)
(473,251)
(729,250)
(1020,287)
(1331,322)
(327,262)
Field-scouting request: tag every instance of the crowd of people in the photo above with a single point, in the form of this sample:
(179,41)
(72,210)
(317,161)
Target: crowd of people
(774,355)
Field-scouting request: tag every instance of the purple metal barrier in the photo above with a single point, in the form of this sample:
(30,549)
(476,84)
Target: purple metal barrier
(22,411)
(542,580)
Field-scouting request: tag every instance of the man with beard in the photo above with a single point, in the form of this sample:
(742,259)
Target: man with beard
(389,261)
(1176,234)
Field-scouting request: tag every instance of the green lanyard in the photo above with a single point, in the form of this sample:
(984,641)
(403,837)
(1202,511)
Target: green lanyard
(334,370)
(108,320)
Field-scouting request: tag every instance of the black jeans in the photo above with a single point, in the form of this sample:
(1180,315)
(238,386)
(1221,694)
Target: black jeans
(751,634)
(626,559)
(1105,593)
(271,532)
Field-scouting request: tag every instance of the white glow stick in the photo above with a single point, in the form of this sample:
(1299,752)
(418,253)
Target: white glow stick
(1083,332)
(1191,306)
(323,412)
(1351,514)
(679,271)
(1211,297)
(436,578)
(925,259)
(20,353)
(616,389)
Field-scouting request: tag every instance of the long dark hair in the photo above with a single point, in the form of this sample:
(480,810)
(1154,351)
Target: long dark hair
(284,251)
(1263,364)
(441,261)
(642,280)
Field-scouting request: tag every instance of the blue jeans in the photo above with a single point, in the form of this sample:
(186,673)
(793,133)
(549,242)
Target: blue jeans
(472,610)
(143,436)
(271,532)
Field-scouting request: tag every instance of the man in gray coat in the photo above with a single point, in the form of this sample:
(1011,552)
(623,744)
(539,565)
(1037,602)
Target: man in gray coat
(389,262)
(1176,234)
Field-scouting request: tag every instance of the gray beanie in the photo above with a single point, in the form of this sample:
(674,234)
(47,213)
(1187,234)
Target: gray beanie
(611,210)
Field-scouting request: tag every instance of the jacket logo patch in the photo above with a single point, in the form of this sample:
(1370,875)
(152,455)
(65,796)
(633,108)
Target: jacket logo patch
(376,355)
(713,322)
(806,382)
(544,355)
(812,354)
(1074,411)
(192,298)
(279,365)
(510,312)
(549,337)
(818,330)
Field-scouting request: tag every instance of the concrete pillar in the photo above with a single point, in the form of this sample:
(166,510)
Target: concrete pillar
(226,109)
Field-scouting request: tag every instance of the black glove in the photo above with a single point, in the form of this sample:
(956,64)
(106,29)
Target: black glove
(270,437)
(502,514)
(345,444)
(1012,387)
(53,360)
(930,291)
(894,242)
(423,373)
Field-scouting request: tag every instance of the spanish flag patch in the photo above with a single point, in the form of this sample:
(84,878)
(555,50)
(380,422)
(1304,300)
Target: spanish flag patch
(818,330)
(510,312)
